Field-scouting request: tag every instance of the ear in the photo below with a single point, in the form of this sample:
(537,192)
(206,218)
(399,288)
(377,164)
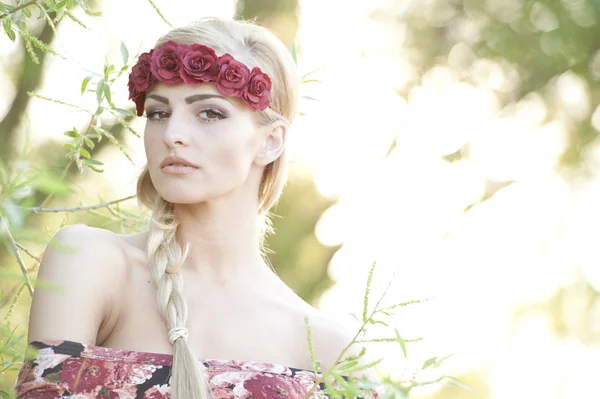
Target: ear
(275,135)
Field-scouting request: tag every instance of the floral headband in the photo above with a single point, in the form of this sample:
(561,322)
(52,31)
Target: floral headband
(174,63)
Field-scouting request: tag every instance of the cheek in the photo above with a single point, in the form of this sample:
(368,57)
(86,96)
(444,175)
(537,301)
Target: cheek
(151,144)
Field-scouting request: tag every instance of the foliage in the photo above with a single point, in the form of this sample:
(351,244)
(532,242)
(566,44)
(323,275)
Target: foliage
(23,187)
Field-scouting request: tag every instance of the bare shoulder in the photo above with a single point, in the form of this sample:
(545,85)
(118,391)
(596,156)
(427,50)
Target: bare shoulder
(81,271)
(330,337)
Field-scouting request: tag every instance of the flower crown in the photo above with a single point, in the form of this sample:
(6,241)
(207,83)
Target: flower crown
(174,63)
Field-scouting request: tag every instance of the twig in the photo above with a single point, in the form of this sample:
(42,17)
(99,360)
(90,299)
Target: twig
(159,13)
(14,10)
(352,341)
(68,165)
(362,341)
(15,249)
(10,295)
(34,94)
(80,208)
(22,248)
(13,304)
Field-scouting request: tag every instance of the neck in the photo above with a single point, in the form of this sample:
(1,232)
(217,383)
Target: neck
(224,238)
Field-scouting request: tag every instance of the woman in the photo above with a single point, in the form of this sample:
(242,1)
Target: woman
(219,97)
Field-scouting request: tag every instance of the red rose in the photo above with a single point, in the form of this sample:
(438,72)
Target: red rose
(166,62)
(133,93)
(141,78)
(256,92)
(274,387)
(233,76)
(139,104)
(199,64)
(81,375)
(138,99)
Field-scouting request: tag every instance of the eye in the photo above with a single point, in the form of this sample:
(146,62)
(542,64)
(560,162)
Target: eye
(158,116)
(211,115)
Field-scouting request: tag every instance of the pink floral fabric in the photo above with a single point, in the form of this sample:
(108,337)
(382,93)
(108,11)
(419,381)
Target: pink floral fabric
(68,369)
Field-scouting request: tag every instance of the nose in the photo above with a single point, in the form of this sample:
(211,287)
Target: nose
(175,133)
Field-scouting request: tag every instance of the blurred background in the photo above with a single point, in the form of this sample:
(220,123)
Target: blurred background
(454,142)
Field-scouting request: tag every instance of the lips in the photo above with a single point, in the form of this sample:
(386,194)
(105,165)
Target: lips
(174,160)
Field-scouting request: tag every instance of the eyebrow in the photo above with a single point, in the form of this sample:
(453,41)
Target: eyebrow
(190,99)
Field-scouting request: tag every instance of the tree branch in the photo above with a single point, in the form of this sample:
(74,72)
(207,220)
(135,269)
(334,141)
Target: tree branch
(13,246)
(80,208)
(28,80)
(14,10)
(22,248)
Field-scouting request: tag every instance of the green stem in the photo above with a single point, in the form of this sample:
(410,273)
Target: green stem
(364,324)
(15,249)
(62,176)
(17,8)
(80,208)
(66,169)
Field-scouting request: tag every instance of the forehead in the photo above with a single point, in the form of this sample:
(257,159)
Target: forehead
(177,93)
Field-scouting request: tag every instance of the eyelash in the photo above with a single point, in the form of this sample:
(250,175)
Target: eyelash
(219,114)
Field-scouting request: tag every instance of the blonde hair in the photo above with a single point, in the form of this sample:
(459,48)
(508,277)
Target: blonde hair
(254,46)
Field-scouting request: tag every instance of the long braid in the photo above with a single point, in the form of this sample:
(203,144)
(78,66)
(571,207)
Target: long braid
(166,256)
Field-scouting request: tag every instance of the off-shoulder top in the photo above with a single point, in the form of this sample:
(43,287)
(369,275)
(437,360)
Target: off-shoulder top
(68,369)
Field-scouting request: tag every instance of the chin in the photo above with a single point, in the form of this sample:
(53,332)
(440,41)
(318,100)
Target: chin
(175,197)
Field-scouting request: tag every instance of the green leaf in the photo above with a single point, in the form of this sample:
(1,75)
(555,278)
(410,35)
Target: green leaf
(85,83)
(100,91)
(293,52)
(50,184)
(310,98)
(84,153)
(26,12)
(107,92)
(367,292)
(348,365)
(429,362)
(61,4)
(107,70)
(8,29)
(89,142)
(92,166)
(69,146)
(98,133)
(455,381)
(71,133)
(123,111)
(371,321)
(400,340)
(93,162)
(437,363)
(14,212)
(70,4)
(355,317)
(124,53)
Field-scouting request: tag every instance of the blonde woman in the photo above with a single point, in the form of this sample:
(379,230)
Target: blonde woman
(189,309)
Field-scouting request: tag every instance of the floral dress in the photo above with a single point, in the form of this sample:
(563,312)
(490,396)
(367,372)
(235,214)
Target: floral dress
(68,369)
